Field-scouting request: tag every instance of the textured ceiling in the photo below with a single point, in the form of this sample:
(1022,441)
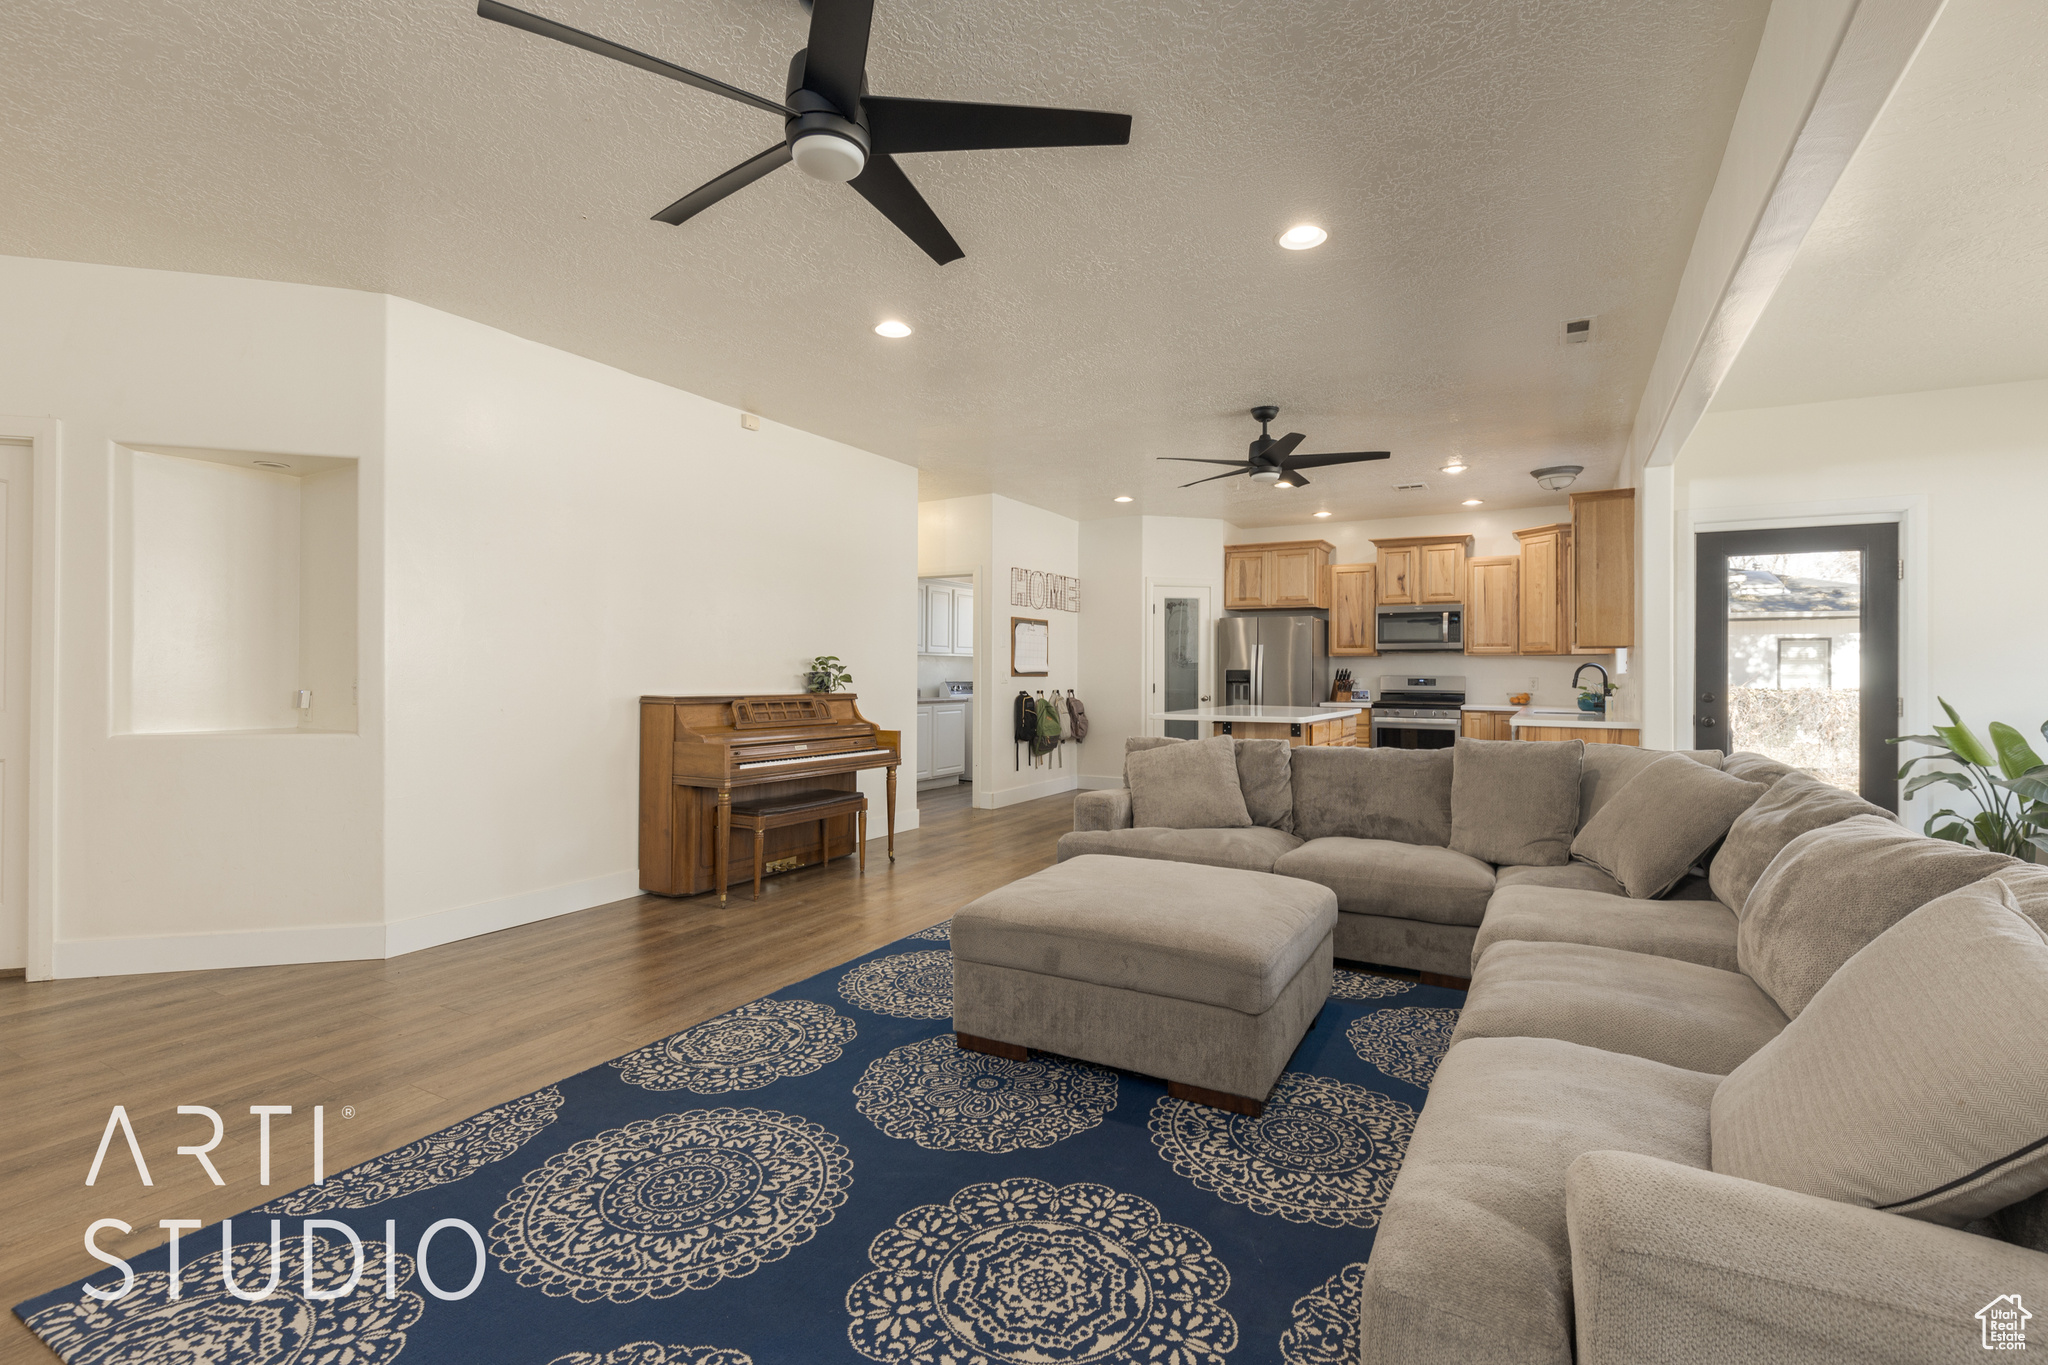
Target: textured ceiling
(1486,169)
(1928,268)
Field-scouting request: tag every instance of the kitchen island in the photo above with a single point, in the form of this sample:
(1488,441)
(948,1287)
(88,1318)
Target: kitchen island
(1547,722)
(1335,724)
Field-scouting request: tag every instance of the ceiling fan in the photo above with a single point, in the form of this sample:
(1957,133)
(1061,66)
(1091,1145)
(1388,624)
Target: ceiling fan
(835,130)
(1273,461)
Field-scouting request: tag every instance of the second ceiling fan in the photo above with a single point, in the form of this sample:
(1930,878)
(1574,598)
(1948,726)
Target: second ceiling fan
(1272,460)
(833,129)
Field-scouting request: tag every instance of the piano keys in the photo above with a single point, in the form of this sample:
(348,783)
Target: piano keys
(695,752)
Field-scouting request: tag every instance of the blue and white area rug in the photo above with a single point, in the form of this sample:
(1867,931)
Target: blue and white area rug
(822,1176)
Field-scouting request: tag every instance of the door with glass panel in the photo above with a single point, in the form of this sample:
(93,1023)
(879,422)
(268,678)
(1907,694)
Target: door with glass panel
(1180,630)
(1797,656)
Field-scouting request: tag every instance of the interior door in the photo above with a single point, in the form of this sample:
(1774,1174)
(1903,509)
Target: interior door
(1178,656)
(1797,655)
(17,510)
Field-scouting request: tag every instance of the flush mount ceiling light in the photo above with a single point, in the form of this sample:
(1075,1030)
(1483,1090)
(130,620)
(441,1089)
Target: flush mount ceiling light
(270,464)
(1554,477)
(1122,499)
(1322,514)
(892,328)
(1456,465)
(1474,502)
(1302,236)
(1266,476)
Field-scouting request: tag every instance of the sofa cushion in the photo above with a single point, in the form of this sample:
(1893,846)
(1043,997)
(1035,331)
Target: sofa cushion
(1266,778)
(1190,785)
(1251,849)
(1755,767)
(1836,888)
(1916,1079)
(1207,934)
(1516,801)
(1607,768)
(1678,1013)
(1386,877)
(1575,875)
(2028,883)
(1471,1263)
(1795,804)
(1138,744)
(1401,794)
(1662,821)
(1687,931)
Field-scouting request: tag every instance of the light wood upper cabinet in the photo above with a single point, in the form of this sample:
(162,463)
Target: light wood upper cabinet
(1351,609)
(1603,570)
(1545,577)
(1492,613)
(1422,569)
(1397,576)
(1290,573)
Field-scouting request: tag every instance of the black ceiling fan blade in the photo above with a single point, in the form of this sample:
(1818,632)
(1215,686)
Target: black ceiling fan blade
(1190,459)
(1213,477)
(1352,457)
(884,185)
(836,60)
(711,191)
(903,125)
(619,52)
(1280,449)
(1292,479)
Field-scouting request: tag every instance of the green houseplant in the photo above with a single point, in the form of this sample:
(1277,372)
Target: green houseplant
(2006,777)
(826,674)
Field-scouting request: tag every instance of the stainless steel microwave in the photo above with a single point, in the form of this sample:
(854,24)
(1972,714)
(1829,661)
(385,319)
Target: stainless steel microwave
(1419,628)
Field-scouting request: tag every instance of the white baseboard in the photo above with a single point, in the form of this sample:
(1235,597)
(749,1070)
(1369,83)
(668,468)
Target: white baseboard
(204,952)
(1051,786)
(488,917)
(1090,782)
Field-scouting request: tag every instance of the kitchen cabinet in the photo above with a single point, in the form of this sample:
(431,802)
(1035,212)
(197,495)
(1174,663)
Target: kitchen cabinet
(945,619)
(1492,610)
(1423,569)
(963,621)
(924,743)
(1545,585)
(1487,725)
(1603,570)
(949,739)
(1290,573)
(1351,610)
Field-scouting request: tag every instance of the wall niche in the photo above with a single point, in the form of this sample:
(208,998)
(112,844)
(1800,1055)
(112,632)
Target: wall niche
(235,586)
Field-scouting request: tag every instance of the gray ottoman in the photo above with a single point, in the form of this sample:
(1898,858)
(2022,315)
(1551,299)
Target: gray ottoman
(1204,976)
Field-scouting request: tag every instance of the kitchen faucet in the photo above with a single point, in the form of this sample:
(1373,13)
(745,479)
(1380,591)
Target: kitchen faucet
(1605,685)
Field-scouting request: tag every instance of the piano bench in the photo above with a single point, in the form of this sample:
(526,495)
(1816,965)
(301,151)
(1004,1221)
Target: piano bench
(800,808)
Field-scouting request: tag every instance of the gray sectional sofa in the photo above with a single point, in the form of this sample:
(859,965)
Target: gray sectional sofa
(1788,1101)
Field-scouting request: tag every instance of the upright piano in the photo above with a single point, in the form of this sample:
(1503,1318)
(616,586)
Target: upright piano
(695,752)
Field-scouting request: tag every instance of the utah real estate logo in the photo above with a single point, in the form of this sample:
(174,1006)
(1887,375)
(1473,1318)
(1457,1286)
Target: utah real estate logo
(2005,1323)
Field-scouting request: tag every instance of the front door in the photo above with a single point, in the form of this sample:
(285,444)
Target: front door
(1797,655)
(1180,633)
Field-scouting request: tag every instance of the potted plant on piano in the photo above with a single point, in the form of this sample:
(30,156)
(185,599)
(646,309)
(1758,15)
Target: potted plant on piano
(826,674)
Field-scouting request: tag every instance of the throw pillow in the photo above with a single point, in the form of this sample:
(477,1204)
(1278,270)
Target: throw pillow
(1834,889)
(1188,785)
(1755,767)
(1916,1081)
(1795,804)
(1515,802)
(1399,794)
(1138,744)
(1267,779)
(1608,767)
(1661,822)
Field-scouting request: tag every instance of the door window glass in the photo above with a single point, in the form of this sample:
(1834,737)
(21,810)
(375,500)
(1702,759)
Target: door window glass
(1181,649)
(1795,633)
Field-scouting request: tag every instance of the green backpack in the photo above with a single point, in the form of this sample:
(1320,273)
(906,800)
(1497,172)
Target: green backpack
(1048,737)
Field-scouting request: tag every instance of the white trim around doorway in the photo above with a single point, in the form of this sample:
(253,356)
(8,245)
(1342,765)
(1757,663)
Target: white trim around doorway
(42,435)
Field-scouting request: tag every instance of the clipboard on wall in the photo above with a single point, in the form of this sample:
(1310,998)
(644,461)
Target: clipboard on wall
(1030,647)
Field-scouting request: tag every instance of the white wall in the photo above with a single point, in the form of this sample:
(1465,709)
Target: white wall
(1966,470)
(177,850)
(1489,678)
(563,538)
(1113,633)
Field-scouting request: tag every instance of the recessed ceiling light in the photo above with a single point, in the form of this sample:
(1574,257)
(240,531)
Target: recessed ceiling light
(1322,514)
(1456,466)
(892,328)
(1303,236)
(1474,502)
(1122,499)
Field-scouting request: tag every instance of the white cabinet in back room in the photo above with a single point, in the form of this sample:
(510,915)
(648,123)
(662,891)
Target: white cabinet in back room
(924,743)
(963,621)
(949,740)
(938,619)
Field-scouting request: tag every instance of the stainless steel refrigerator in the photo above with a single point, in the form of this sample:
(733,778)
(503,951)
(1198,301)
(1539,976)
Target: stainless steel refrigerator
(1273,660)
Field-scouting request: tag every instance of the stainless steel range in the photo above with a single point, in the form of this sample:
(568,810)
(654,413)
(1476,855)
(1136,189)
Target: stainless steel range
(1411,711)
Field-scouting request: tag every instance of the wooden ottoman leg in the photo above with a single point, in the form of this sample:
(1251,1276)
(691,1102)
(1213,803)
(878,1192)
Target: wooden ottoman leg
(1216,1099)
(970,1042)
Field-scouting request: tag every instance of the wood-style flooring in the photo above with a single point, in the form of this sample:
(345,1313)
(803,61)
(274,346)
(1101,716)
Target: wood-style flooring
(415,1043)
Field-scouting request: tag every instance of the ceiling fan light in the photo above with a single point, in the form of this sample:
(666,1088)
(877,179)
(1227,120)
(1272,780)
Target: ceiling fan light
(892,328)
(1557,476)
(825,155)
(1266,476)
(1302,236)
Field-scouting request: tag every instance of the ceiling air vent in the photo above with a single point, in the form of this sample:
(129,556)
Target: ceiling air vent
(1412,486)
(1578,329)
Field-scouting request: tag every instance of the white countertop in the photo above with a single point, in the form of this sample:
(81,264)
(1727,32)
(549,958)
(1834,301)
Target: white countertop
(1558,719)
(940,701)
(1284,715)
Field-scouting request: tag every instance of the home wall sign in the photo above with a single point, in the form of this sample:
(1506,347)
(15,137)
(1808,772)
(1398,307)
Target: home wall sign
(1044,591)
